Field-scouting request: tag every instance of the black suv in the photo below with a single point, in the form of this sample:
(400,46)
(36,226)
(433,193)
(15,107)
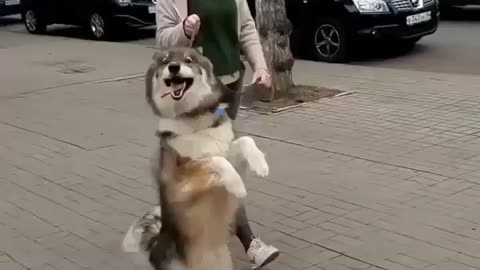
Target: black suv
(101,17)
(328,29)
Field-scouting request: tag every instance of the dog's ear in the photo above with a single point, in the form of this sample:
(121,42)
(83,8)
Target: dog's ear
(158,54)
(207,65)
(155,55)
(150,83)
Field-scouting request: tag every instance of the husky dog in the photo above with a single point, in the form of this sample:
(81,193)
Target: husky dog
(189,100)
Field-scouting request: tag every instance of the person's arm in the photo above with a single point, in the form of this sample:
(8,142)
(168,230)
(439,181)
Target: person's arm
(249,39)
(170,32)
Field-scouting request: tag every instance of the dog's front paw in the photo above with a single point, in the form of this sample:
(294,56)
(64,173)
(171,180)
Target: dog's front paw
(236,188)
(244,149)
(229,177)
(258,164)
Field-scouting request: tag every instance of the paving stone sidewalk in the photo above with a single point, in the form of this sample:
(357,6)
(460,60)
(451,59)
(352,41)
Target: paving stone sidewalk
(384,178)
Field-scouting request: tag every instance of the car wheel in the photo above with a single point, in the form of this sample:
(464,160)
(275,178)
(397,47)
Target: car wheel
(330,41)
(99,26)
(34,22)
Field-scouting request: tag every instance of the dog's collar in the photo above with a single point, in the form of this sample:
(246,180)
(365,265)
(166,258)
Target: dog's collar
(219,111)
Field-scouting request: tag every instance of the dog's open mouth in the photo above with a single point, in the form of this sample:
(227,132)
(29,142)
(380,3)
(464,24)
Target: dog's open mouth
(178,87)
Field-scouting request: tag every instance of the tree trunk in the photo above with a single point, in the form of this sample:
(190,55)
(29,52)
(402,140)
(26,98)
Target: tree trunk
(274,29)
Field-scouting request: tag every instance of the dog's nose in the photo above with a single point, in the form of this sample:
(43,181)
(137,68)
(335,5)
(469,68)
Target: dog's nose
(174,68)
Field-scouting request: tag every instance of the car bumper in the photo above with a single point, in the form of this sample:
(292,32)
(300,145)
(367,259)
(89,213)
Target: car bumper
(9,10)
(135,14)
(395,26)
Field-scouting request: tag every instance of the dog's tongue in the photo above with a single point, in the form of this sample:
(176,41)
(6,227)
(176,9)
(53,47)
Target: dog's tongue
(177,89)
(177,86)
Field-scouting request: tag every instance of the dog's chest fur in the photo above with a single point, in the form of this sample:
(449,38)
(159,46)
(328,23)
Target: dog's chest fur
(202,136)
(199,137)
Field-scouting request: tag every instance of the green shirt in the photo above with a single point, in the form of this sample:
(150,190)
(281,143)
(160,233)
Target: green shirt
(218,34)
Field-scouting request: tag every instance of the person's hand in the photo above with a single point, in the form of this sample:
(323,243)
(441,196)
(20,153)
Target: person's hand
(191,25)
(262,77)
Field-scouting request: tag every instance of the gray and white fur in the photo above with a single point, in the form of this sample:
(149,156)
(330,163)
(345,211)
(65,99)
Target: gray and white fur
(184,93)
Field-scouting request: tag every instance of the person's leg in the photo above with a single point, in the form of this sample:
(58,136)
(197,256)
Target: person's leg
(242,229)
(260,253)
(234,99)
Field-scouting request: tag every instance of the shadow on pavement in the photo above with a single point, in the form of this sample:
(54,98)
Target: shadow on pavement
(381,51)
(461,14)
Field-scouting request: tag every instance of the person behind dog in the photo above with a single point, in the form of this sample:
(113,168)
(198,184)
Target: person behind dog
(221,30)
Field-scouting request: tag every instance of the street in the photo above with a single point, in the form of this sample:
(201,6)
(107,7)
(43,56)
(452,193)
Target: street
(386,177)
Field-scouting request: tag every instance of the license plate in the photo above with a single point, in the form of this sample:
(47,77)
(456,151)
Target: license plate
(419,18)
(151,9)
(12,2)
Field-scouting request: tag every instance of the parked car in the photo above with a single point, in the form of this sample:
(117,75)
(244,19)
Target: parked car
(101,18)
(327,30)
(9,7)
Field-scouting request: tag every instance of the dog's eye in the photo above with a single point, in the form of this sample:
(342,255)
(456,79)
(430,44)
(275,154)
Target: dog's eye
(188,60)
(165,61)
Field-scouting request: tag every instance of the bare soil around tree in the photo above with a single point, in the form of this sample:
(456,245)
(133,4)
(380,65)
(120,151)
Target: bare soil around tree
(254,99)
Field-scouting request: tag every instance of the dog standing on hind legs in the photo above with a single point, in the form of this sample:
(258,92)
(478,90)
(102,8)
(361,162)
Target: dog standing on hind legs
(184,93)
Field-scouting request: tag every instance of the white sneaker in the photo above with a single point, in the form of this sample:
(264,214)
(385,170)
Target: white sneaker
(261,254)
(141,231)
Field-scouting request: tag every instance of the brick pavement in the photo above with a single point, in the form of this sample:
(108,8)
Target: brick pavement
(384,178)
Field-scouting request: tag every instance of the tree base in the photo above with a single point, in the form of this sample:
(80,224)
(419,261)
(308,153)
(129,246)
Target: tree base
(253,100)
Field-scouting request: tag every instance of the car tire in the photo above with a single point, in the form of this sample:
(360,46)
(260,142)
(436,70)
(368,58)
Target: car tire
(99,26)
(33,21)
(330,41)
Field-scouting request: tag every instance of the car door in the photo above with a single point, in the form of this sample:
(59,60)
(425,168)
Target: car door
(80,11)
(45,8)
(65,9)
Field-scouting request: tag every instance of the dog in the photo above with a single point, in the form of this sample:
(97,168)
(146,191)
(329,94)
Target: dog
(190,103)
